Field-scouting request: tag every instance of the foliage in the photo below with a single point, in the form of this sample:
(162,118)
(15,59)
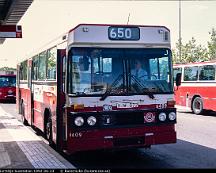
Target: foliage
(212,44)
(7,69)
(190,52)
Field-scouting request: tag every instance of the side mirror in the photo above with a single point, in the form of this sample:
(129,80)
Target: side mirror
(178,79)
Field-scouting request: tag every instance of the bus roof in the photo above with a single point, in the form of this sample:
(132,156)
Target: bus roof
(152,38)
(195,63)
(124,25)
(102,35)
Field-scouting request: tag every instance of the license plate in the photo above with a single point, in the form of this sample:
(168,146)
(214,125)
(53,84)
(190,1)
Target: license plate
(127,105)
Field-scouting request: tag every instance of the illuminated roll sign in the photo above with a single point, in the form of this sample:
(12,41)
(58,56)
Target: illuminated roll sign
(124,33)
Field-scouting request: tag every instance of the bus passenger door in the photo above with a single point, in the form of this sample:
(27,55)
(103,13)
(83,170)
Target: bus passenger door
(30,95)
(61,64)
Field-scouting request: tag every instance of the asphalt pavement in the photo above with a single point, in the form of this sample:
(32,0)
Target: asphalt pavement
(23,148)
(195,147)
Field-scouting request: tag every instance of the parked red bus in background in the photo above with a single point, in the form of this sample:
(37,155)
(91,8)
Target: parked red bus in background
(7,88)
(198,86)
(82,94)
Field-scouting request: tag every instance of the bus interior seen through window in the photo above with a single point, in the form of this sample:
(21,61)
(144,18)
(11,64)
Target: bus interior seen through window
(94,70)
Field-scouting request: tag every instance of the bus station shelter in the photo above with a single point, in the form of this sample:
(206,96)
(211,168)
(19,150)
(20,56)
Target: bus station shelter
(11,11)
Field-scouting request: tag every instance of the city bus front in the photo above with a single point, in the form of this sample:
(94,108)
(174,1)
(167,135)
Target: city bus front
(7,88)
(119,97)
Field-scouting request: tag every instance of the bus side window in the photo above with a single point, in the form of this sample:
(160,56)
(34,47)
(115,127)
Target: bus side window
(207,72)
(42,66)
(51,63)
(29,71)
(35,68)
(63,72)
(23,71)
(191,73)
(176,71)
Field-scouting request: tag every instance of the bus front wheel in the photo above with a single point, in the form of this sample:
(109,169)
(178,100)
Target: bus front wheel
(197,106)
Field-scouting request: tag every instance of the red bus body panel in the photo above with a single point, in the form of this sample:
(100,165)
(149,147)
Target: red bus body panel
(185,94)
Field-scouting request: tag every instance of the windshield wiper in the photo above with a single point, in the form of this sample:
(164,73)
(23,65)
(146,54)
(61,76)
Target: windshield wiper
(109,89)
(138,82)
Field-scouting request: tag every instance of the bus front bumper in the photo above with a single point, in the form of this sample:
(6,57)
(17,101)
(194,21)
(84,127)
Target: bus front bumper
(120,138)
(7,97)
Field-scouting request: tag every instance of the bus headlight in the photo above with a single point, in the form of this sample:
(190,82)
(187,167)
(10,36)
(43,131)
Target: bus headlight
(91,120)
(172,116)
(79,121)
(162,116)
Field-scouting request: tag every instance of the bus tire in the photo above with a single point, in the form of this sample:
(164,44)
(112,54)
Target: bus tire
(48,131)
(197,106)
(23,119)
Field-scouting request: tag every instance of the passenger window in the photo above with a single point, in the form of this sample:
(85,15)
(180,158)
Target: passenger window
(190,73)
(63,73)
(51,63)
(42,66)
(176,70)
(207,72)
(23,71)
(35,67)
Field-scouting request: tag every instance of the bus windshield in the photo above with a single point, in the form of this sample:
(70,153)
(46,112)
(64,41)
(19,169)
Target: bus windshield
(119,71)
(7,81)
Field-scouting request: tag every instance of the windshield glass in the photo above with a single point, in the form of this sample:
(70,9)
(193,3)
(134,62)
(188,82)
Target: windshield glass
(7,81)
(119,71)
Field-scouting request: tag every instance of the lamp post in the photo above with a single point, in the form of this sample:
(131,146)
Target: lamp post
(128,18)
(180,43)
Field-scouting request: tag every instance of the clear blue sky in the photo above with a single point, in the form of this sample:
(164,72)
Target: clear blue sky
(47,19)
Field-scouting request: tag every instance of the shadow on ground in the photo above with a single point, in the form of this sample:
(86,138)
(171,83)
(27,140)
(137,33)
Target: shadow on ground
(183,154)
(8,101)
(205,113)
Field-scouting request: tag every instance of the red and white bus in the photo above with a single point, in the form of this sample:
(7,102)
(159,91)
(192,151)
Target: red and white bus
(198,86)
(82,94)
(7,87)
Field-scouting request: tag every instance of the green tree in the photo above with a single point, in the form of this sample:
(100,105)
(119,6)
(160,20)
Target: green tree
(190,52)
(201,53)
(7,69)
(212,44)
(175,53)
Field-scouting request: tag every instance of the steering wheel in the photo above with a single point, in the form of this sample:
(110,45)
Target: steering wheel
(152,77)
